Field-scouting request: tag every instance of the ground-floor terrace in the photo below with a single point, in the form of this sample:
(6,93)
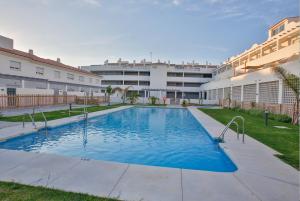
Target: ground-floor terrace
(260,176)
(262,89)
(20,85)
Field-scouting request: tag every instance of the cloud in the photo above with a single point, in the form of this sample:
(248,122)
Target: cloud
(92,2)
(177,2)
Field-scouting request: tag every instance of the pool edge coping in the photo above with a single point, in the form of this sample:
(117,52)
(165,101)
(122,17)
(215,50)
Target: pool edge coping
(11,132)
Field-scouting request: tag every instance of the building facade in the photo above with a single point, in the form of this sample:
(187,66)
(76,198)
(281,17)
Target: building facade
(25,73)
(163,80)
(248,79)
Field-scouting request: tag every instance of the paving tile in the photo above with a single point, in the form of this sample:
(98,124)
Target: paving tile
(92,177)
(211,186)
(40,170)
(270,188)
(10,159)
(148,183)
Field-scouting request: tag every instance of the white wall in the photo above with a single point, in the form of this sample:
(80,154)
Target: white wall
(6,42)
(28,69)
(24,91)
(265,75)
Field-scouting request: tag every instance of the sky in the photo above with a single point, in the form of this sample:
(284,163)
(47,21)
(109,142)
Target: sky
(85,32)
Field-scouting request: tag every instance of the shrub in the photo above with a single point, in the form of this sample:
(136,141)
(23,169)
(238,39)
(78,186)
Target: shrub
(280,117)
(153,100)
(260,113)
(184,103)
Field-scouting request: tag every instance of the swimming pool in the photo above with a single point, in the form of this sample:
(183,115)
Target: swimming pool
(139,135)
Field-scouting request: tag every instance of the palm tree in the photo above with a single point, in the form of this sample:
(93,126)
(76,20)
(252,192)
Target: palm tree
(109,91)
(293,82)
(133,97)
(122,91)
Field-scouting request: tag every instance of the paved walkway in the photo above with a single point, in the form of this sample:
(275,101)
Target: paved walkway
(20,111)
(260,175)
(5,124)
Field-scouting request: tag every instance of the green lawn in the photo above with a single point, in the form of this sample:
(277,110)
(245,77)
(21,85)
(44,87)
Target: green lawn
(285,141)
(17,192)
(56,114)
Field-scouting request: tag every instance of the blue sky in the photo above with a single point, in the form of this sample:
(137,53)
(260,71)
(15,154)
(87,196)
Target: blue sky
(83,32)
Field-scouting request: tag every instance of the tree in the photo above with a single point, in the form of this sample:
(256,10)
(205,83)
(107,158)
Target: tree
(133,97)
(292,82)
(122,91)
(109,91)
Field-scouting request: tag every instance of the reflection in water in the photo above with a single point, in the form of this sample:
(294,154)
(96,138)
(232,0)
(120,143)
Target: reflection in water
(85,133)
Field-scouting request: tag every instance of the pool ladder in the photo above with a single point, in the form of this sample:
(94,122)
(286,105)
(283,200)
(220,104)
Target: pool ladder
(33,121)
(31,118)
(222,136)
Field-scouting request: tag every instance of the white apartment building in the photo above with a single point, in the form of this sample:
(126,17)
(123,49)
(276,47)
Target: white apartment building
(160,79)
(25,73)
(248,78)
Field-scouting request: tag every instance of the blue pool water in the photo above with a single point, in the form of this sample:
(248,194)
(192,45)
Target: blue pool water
(148,136)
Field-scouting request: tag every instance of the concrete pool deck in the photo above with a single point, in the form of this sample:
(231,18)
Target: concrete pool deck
(260,176)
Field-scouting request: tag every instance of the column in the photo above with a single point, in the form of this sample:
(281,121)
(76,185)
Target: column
(23,83)
(257,91)
(242,93)
(280,91)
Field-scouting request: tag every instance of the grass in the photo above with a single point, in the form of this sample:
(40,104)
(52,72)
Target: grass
(285,141)
(17,192)
(58,114)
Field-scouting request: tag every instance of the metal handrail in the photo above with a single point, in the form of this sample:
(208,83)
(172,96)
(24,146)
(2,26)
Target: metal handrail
(237,128)
(45,120)
(31,118)
(222,136)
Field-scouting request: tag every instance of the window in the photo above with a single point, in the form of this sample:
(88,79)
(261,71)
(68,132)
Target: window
(112,82)
(56,74)
(131,73)
(207,75)
(70,76)
(144,83)
(193,75)
(278,30)
(192,84)
(81,78)
(39,71)
(144,73)
(170,74)
(108,72)
(174,84)
(130,82)
(14,65)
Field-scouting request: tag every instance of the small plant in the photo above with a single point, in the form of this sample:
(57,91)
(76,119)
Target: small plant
(252,104)
(184,103)
(109,91)
(260,113)
(153,100)
(164,99)
(133,97)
